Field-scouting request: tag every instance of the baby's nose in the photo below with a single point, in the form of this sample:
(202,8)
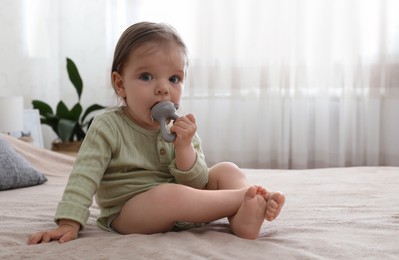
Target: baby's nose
(162,89)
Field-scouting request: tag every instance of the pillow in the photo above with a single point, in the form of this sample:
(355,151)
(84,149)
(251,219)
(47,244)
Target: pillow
(16,171)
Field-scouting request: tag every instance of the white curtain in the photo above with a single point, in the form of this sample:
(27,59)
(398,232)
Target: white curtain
(273,84)
(292,84)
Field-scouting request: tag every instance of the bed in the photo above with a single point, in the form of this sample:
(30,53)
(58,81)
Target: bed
(334,213)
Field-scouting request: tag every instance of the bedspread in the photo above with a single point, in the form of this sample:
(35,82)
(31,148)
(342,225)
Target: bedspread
(334,213)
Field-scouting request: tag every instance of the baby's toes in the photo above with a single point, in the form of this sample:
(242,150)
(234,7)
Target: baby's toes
(272,205)
(261,191)
(270,214)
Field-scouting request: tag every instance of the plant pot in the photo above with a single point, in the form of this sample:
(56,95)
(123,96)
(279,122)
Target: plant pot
(70,148)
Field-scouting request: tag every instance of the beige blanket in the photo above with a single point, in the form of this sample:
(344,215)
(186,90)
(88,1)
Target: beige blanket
(342,213)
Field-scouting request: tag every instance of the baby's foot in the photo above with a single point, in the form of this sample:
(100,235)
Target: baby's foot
(275,201)
(250,216)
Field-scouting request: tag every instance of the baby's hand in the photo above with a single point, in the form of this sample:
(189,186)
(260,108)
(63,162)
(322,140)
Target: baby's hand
(185,128)
(66,231)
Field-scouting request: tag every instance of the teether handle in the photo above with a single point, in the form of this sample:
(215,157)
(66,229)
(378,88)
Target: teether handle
(168,137)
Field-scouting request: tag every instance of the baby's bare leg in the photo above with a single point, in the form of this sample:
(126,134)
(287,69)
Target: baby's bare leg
(158,209)
(225,176)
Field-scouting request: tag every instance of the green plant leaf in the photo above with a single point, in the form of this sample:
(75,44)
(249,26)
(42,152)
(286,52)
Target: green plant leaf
(74,76)
(75,112)
(62,111)
(90,109)
(43,107)
(69,125)
(47,116)
(51,121)
(66,129)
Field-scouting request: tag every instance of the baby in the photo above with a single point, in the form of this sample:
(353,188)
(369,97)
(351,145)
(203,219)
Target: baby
(142,184)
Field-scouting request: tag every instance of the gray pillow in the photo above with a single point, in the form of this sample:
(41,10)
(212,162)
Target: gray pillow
(16,171)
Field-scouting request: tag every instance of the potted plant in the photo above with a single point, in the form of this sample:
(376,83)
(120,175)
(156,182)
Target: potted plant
(70,125)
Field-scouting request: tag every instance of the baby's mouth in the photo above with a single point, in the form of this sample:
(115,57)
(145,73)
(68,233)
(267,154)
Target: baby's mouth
(156,103)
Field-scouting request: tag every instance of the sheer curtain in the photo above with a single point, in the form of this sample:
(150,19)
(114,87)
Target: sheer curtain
(38,35)
(292,84)
(273,84)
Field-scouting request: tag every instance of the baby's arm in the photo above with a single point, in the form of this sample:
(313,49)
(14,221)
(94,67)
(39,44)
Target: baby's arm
(73,210)
(197,176)
(185,128)
(67,230)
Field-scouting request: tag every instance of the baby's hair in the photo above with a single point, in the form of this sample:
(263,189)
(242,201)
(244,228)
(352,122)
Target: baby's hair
(140,33)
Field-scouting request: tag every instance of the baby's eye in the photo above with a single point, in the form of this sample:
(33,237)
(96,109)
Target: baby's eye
(174,79)
(146,77)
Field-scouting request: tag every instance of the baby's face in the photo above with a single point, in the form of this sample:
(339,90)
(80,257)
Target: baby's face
(153,73)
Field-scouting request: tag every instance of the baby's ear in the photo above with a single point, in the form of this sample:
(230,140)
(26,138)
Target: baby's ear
(117,82)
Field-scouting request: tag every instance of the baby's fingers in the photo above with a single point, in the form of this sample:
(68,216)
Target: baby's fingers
(191,117)
(46,237)
(68,237)
(59,233)
(36,238)
(41,237)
